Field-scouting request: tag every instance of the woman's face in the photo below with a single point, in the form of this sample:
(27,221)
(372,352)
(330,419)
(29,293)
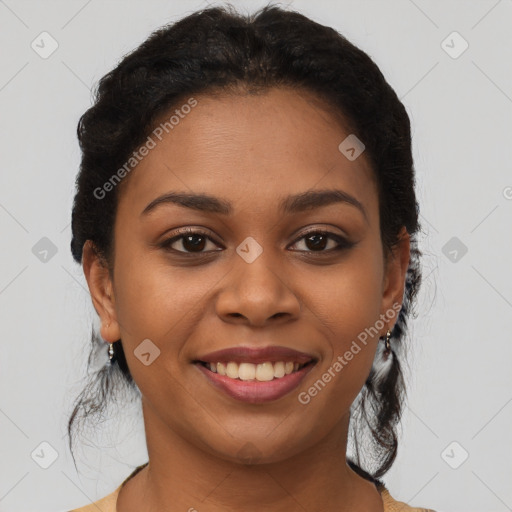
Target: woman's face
(255,276)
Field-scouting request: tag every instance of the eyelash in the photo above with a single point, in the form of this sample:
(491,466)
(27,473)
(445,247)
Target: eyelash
(342,242)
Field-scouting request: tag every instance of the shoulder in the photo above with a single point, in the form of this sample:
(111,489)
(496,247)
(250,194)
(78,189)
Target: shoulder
(106,504)
(392,505)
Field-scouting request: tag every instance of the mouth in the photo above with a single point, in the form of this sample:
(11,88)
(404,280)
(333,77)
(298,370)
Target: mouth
(255,375)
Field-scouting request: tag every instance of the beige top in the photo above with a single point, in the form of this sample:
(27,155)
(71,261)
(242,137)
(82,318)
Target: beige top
(108,503)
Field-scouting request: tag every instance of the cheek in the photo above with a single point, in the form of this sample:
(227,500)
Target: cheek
(347,307)
(151,296)
(347,298)
(163,304)
(353,309)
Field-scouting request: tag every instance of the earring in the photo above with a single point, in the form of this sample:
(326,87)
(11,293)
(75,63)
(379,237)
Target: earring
(111,354)
(387,349)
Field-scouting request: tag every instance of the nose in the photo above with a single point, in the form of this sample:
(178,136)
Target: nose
(256,294)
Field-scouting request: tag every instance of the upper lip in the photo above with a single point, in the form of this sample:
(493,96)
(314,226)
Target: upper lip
(256,355)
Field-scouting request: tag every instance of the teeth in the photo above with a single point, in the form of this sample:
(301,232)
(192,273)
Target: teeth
(279,370)
(246,371)
(263,372)
(232,370)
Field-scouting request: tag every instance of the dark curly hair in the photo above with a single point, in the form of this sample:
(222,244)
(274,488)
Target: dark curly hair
(219,50)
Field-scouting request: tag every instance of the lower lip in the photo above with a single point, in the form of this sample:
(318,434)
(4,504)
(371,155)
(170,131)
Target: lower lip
(253,391)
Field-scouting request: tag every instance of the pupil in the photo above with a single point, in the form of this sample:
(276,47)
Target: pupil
(197,245)
(315,245)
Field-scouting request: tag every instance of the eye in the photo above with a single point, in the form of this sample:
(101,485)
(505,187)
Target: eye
(194,241)
(191,240)
(317,241)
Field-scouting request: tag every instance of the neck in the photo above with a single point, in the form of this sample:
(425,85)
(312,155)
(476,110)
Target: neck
(192,478)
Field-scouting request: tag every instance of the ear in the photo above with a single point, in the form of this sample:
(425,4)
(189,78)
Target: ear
(101,289)
(393,285)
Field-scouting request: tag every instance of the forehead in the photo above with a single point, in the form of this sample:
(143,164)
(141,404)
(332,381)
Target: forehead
(253,147)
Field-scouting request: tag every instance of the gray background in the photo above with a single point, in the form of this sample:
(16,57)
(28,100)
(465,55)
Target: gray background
(460,383)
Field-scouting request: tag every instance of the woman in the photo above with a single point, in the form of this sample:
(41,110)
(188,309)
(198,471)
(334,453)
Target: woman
(246,217)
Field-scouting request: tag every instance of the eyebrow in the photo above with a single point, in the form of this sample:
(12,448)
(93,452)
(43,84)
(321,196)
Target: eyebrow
(292,204)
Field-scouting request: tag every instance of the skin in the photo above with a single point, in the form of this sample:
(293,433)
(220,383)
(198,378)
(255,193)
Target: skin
(250,150)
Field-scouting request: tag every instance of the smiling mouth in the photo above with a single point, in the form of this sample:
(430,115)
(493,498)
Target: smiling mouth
(260,372)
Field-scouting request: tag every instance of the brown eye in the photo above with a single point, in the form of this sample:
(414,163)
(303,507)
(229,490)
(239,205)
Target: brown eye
(189,241)
(318,241)
(192,241)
